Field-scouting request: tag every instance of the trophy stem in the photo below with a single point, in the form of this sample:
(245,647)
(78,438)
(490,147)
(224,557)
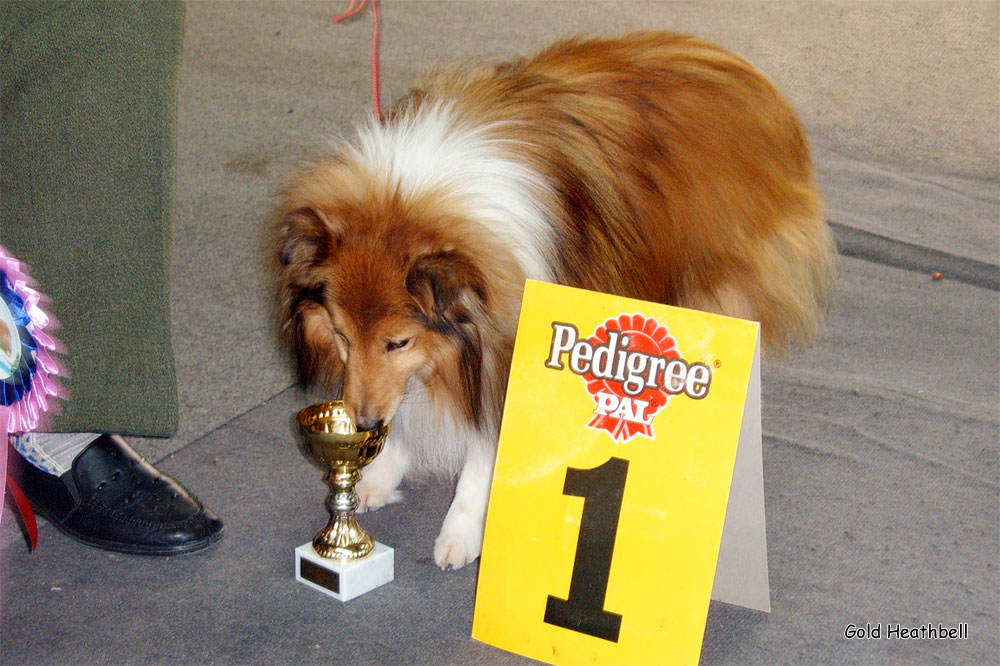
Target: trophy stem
(342,538)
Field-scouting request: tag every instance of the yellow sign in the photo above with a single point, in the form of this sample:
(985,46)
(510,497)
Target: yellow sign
(613,472)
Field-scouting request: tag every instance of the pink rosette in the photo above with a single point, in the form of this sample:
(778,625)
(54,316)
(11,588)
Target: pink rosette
(28,370)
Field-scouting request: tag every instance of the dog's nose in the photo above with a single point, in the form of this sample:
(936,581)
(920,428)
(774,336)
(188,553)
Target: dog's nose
(370,424)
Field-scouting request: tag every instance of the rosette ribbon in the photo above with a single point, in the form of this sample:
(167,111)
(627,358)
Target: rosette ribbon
(28,370)
(644,335)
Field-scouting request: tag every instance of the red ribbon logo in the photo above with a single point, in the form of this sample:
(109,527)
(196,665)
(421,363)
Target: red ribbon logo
(621,410)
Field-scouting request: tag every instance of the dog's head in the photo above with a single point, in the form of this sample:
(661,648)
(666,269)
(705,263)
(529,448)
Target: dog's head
(371,298)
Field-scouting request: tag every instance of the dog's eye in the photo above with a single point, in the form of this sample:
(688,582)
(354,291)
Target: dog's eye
(393,345)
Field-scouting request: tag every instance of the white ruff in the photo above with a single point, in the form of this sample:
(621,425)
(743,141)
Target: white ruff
(437,443)
(428,149)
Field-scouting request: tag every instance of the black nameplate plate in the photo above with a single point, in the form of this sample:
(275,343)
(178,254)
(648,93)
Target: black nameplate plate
(316,574)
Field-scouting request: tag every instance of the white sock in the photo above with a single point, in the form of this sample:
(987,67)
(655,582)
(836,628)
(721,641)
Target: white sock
(54,452)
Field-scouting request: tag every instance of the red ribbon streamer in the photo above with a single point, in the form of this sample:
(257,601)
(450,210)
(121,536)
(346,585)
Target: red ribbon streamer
(27,515)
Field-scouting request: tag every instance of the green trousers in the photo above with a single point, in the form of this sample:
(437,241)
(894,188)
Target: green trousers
(87,131)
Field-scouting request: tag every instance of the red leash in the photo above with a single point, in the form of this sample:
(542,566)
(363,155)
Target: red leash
(353,9)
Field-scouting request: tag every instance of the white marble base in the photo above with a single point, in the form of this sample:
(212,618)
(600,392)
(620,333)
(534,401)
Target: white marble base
(344,579)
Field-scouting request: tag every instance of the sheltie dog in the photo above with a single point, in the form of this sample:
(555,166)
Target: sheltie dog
(655,166)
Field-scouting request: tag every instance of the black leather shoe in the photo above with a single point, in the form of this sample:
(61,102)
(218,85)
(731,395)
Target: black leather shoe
(113,499)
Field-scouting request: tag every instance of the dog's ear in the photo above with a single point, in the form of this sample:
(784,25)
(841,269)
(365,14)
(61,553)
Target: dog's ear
(306,237)
(309,335)
(445,285)
(306,241)
(450,295)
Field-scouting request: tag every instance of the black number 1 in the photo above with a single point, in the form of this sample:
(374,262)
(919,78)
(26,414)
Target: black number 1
(602,489)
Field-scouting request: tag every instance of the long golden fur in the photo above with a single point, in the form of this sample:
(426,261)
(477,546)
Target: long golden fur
(655,165)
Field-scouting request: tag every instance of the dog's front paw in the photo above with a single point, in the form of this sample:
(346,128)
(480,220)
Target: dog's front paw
(374,495)
(459,543)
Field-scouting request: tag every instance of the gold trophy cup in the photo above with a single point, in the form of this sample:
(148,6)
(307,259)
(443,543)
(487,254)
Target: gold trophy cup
(349,562)
(331,440)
